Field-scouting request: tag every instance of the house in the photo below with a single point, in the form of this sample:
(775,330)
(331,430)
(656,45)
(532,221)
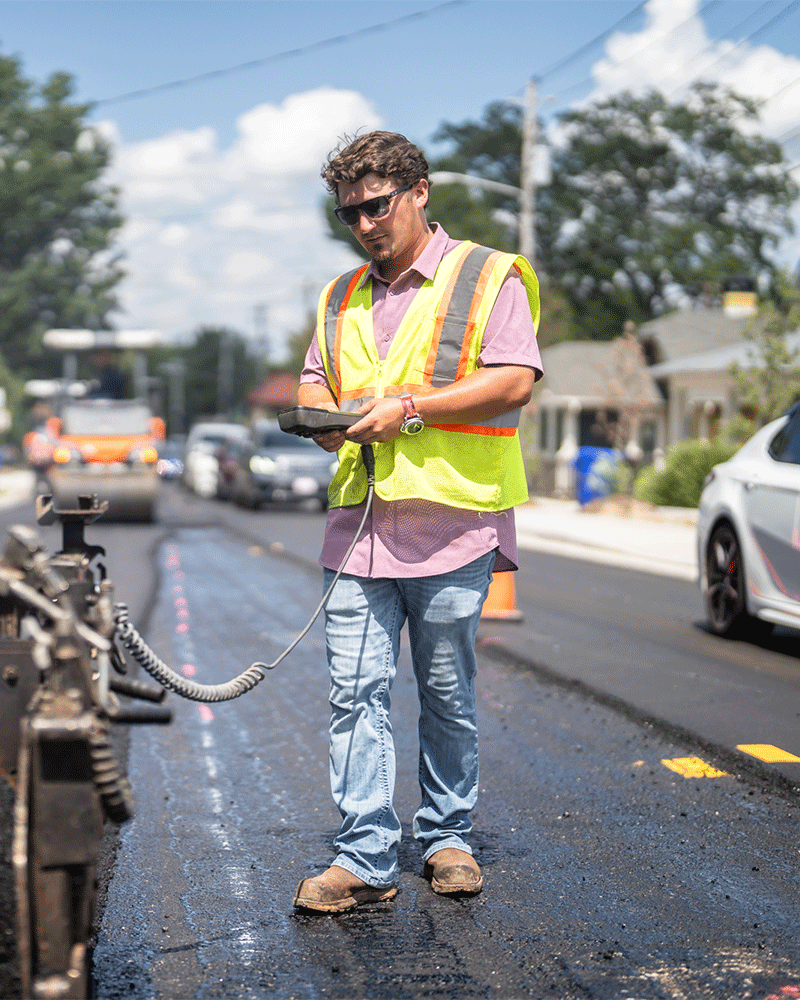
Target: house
(685,389)
(582,380)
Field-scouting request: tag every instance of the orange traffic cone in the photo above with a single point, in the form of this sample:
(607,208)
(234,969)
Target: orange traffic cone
(501,601)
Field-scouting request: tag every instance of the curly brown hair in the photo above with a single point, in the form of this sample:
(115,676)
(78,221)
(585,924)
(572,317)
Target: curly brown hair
(387,154)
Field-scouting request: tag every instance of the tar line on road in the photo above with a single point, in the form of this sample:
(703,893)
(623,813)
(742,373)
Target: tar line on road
(608,874)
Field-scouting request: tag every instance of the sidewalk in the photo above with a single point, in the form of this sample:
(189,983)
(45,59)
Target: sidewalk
(657,540)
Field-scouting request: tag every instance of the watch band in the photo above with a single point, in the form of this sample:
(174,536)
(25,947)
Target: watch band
(412,421)
(409,410)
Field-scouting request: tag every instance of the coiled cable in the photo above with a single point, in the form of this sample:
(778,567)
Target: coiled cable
(256,672)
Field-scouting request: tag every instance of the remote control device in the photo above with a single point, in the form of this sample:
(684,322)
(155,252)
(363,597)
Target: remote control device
(306,421)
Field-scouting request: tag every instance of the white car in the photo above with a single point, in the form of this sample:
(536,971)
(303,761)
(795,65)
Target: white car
(200,464)
(748,534)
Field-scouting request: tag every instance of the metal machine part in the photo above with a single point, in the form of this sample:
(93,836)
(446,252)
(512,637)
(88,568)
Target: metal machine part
(58,697)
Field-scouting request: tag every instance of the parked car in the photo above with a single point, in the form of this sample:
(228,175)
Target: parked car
(228,456)
(108,447)
(200,462)
(280,466)
(748,533)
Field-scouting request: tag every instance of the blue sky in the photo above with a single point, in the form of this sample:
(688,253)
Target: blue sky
(220,174)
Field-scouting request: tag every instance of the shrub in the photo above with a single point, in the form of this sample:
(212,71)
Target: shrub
(686,466)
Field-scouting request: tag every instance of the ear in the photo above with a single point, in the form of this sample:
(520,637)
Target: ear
(421,193)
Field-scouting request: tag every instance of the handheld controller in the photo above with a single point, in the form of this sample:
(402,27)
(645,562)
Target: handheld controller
(306,421)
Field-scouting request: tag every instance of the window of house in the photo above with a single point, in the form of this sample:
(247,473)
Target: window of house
(559,428)
(543,428)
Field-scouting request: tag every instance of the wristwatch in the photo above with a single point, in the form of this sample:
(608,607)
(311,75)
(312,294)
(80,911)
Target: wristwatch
(412,421)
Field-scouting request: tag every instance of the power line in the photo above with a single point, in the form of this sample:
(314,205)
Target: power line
(589,45)
(644,48)
(781,14)
(288,54)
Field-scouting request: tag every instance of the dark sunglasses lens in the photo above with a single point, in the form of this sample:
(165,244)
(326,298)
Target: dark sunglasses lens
(375,208)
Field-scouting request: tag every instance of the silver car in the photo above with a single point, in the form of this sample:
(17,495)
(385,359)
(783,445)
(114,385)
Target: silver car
(748,534)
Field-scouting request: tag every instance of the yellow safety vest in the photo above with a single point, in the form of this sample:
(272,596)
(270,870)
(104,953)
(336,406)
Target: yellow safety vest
(476,466)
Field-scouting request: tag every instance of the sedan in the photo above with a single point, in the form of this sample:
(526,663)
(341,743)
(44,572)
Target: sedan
(279,466)
(748,534)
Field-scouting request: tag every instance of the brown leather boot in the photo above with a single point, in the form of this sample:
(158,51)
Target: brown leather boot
(337,890)
(454,873)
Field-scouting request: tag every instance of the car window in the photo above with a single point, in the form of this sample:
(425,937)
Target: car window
(785,446)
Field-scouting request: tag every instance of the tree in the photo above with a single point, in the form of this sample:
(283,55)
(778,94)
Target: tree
(57,217)
(772,384)
(649,199)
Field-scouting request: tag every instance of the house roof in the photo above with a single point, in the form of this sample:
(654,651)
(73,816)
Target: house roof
(581,368)
(692,331)
(744,353)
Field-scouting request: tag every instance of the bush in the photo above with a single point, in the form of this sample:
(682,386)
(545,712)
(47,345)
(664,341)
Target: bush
(686,466)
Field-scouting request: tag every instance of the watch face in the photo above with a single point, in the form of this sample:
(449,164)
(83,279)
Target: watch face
(412,426)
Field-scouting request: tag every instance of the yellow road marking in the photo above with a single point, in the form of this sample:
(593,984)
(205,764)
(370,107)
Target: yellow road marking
(769,753)
(693,767)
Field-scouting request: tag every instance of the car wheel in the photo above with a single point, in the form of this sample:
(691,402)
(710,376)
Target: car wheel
(726,605)
(726,609)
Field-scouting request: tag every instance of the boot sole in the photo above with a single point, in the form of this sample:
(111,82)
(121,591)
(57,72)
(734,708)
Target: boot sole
(459,889)
(346,902)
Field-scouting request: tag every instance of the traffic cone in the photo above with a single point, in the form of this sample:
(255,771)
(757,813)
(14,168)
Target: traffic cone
(501,601)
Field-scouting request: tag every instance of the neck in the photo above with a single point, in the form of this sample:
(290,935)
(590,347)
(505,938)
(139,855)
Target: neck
(391,269)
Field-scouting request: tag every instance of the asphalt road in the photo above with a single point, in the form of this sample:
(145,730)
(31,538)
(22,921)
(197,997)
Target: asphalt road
(608,872)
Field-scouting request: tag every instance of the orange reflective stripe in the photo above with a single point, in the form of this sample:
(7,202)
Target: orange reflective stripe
(476,429)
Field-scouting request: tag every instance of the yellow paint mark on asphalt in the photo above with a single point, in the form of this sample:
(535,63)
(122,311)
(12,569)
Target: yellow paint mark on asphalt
(693,767)
(769,753)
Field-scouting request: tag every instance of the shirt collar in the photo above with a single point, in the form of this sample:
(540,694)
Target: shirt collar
(425,264)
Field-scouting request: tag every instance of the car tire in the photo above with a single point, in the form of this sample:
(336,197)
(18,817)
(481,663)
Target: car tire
(725,600)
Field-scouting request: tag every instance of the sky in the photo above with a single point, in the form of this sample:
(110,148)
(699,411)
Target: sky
(220,115)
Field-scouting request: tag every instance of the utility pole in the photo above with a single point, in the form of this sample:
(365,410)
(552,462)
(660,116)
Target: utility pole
(527,199)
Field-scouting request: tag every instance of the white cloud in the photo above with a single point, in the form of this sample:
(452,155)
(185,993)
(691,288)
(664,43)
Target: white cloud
(212,233)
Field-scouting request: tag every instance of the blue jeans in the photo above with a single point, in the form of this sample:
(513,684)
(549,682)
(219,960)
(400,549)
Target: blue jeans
(364,618)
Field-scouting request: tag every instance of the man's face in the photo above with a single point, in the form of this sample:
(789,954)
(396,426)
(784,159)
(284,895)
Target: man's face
(398,234)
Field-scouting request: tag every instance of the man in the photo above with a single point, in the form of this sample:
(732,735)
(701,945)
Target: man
(434,344)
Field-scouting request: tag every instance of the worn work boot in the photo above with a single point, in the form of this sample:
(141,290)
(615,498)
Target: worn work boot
(453,873)
(337,890)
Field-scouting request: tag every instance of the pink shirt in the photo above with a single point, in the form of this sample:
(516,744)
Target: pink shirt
(417,537)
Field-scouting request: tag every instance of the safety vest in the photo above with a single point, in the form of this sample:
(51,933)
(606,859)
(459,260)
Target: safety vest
(477,466)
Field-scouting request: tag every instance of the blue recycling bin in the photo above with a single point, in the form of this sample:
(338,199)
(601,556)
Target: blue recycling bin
(596,472)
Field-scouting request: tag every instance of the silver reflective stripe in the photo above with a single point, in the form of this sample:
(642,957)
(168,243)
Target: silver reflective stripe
(335,300)
(351,405)
(510,419)
(454,324)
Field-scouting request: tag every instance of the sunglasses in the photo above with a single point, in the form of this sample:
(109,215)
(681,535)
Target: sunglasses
(374,208)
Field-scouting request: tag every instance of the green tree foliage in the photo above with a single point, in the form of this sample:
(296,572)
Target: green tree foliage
(56,219)
(647,197)
(650,197)
(772,384)
(220,369)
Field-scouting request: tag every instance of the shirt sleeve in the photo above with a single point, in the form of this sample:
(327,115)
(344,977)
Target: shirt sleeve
(313,368)
(509,338)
